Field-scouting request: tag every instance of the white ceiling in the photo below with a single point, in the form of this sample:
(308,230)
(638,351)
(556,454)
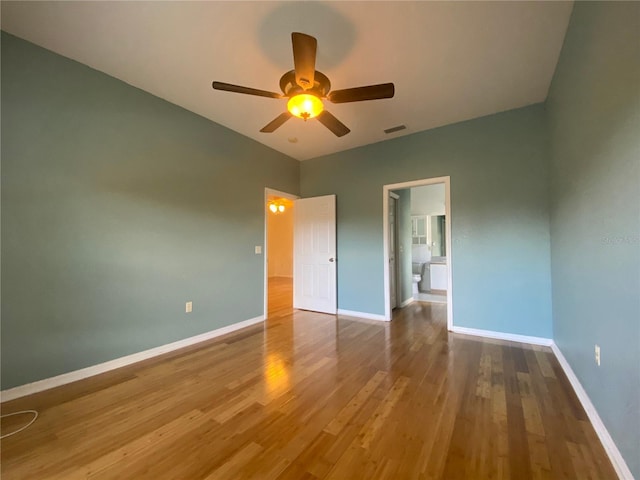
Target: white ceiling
(450,61)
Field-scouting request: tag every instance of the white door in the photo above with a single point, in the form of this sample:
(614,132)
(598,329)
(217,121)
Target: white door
(314,254)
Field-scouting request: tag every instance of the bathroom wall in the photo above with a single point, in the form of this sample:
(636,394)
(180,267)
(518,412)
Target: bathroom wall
(594,118)
(428,200)
(280,243)
(117,208)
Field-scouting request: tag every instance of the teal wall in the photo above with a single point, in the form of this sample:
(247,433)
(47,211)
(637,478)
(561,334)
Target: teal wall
(117,208)
(594,118)
(499,168)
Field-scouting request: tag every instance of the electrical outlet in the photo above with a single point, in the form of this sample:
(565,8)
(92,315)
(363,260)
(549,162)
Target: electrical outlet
(258,249)
(188,307)
(597,349)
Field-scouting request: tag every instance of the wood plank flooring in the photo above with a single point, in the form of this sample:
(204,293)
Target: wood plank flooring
(280,297)
(310,396)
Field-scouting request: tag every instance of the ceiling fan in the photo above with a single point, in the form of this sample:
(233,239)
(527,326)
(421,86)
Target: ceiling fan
(305,87)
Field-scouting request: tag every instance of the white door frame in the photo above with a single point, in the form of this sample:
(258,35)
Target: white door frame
(270,191)
(386,189)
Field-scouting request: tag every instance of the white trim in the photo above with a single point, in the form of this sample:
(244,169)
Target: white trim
(609,445)
(447,222)
(386,190)
(408,301)
(512,337)
(369,316)
(270,191)
(47,383)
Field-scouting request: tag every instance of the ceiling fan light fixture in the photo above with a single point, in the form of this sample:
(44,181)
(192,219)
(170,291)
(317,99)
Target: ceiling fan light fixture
(305,106)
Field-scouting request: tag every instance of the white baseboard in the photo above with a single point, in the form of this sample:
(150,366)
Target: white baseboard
(547,342)
(47,383)
(610,447)
(408,301)
(369,316)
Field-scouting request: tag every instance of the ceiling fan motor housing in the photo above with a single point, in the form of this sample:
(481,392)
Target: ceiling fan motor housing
(321,85)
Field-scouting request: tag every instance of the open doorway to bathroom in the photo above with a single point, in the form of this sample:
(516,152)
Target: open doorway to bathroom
(279,208)
(418,257)
(428,243)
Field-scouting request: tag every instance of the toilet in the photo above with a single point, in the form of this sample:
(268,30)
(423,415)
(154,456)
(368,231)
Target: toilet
(416,268)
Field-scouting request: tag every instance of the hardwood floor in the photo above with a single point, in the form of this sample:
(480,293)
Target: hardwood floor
(312,396)
(280,297)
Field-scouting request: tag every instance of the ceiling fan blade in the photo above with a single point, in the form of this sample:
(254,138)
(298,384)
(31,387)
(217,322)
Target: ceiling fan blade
(304,58)
(227,87)
(276,123)
(333,124)
(359,94)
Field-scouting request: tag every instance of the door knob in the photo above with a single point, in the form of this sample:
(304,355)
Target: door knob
(331,260)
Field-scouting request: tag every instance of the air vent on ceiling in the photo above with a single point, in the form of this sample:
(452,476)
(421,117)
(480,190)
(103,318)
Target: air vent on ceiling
(395,129)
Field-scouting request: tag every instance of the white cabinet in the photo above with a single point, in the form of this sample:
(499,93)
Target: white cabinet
(429,230)
(419,230)
(438,276)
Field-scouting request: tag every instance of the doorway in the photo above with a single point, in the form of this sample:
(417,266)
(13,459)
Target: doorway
(300,253)
(428,235)
(279,214)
